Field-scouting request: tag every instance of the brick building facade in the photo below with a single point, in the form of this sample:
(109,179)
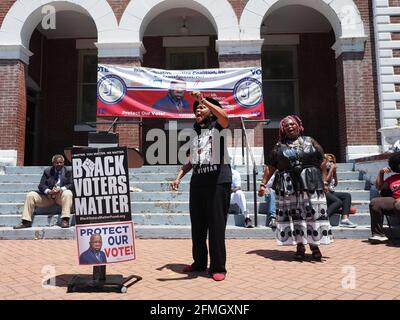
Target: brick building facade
(319,59)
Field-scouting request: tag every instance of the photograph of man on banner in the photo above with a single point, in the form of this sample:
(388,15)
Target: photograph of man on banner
(174,101)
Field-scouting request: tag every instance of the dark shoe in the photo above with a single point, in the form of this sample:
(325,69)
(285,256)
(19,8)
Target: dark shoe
(300,252)
(316,253)
(24,224)
(248,223)
(64,223)
(192,268)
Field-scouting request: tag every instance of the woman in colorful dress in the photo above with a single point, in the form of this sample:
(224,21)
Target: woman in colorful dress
(301,209)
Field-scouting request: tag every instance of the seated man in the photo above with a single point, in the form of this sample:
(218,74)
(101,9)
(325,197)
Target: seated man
(238,197)
(54,188)
(386,204)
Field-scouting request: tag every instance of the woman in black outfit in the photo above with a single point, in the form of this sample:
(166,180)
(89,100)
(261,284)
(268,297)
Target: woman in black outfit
(210,186)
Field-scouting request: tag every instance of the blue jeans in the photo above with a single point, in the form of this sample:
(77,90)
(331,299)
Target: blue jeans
(270,204)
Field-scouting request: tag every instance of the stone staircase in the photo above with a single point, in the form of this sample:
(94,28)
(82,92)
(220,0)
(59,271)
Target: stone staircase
(157,211)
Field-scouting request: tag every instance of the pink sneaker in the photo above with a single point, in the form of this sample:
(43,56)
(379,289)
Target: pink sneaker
(218,276)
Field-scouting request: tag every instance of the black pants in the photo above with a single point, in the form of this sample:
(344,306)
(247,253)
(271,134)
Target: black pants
(337,200)
(377,208)
(209,208)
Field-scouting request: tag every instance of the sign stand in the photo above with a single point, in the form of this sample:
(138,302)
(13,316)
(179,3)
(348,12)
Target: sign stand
(86,157)
(100,282)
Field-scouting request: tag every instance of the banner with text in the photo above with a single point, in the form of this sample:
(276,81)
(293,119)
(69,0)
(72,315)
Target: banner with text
(157,93)
(114,242)
(104,227)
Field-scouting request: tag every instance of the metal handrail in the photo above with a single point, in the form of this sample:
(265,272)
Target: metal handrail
(114,123)
(255,172)
(245,142)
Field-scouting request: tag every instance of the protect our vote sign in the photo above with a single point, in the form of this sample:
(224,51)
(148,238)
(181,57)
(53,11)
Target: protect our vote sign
(104,227)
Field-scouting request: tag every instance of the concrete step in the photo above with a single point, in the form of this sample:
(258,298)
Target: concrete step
(349,175)
(144,169)
(135,196)
(154,186)
(362,206)
(19,197)
(357,194)
(170,169)
(9,220)
(351,185)
(145,186)
(151,169)
(175,232)
(138,207)
(344,166)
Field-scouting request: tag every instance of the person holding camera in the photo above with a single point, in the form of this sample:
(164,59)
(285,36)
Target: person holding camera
(299,186)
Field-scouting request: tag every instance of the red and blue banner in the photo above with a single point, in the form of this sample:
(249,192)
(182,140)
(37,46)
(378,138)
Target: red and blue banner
(157,93)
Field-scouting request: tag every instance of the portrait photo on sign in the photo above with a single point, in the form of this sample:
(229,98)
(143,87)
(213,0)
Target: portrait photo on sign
(105,243)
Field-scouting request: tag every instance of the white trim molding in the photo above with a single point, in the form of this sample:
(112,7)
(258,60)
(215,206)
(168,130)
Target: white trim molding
(25,15)
(387,80)
(355,152)
(349,45)
(81,44)
(8,157)
(224,47)
(343,15)
(121,50)
(15,52)
(139,13)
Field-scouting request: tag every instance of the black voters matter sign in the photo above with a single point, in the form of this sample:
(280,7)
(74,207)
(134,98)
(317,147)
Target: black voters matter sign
(101,183)
(104,227)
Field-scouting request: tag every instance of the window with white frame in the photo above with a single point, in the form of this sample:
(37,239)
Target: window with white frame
(87,86)
(280,81)
(186,58)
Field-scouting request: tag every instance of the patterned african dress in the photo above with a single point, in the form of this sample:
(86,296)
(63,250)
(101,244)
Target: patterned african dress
(300,200)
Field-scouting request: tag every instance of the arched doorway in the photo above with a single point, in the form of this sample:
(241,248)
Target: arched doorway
(177,39)
(352,49)
(299,73)
(64,69)
(43,38)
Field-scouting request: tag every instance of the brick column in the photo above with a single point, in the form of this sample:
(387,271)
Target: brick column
(126,55)
(358,106)
(12,111)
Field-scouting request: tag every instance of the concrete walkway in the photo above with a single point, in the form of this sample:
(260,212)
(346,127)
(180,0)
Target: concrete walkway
(257,270)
